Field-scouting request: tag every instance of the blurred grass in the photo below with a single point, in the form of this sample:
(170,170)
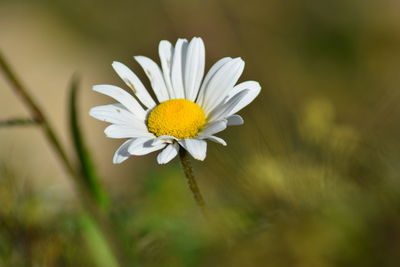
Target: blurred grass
(86,168)
(311,179)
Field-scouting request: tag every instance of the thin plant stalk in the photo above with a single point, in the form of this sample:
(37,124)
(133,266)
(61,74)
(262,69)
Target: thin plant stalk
(36,113)
(194,188)
(38,116)
(85,164)
(18,122)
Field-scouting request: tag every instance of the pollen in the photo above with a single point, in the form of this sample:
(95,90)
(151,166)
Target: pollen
(180,118)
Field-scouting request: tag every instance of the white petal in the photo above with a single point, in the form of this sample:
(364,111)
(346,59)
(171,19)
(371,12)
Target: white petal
(138,142)
(221,83)
(143,146)
(254,89)
(114,113)
(122,153)
(168,153)
(124,131)
(177,69)
(134,83)
(224,110)
(235,120)
(122,97)
(215,139)
(153,72)
(214,127)
(164,139)
(196,147)
(194,68)
(166,51)
(217,65)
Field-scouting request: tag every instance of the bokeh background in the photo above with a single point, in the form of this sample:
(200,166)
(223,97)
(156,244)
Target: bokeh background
(311,178)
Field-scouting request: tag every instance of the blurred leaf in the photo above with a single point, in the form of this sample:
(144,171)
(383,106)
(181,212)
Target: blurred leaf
(86,165)
(96,243)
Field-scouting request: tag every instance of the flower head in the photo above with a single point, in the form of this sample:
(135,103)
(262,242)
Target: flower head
(189,110)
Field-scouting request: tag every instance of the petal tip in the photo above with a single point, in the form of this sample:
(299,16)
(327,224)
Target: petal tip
(201,158)
(118,160)
(107,130)
(91,111)
(165,42)
(116,65)
(161,162)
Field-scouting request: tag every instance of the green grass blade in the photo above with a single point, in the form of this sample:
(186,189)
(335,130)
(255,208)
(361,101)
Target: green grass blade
(86,165)
(96,243)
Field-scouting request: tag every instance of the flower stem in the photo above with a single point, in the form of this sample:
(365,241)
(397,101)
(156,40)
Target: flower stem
(188,171)
(18,122)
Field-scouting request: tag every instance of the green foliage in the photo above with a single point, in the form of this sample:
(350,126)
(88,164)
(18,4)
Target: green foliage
(96,243)
(310,179)
(85,163)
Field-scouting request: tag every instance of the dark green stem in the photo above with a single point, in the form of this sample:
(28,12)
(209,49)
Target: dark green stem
(36,113)
(188,171)
(18,122)
(38,116)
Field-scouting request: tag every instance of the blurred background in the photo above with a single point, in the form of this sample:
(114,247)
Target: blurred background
(311,178)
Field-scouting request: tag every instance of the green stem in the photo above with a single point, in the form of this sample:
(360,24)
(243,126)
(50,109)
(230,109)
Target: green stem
(38,116)
(188,171)
(18,122)
(36,113)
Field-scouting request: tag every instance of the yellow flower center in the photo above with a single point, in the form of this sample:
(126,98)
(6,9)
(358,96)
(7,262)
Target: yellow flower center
(176,117)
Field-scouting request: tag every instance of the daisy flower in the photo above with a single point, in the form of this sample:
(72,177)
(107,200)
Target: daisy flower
(189,108)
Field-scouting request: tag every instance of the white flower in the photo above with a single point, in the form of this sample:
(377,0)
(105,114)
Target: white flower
(189,109)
